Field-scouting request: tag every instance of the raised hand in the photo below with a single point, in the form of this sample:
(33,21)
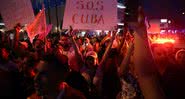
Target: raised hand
(70,31)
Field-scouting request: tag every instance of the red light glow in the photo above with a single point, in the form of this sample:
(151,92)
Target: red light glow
(163,40)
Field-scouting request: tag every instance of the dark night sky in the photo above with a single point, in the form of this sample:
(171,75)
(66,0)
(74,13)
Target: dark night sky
(171,9)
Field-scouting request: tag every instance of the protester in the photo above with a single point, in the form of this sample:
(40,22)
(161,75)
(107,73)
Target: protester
(174,78)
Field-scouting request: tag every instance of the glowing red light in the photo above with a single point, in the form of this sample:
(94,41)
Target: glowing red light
(163,40)
(33,73)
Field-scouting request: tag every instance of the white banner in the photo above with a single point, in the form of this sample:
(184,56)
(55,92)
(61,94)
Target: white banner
(90,14)
(16,11)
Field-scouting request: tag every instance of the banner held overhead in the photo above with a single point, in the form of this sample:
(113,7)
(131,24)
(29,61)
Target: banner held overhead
(16,11)
(90,14)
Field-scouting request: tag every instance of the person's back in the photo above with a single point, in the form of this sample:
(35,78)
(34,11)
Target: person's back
(111,84)
(174,77)
(6,84)
(48,78)
(10,85)
(173,81)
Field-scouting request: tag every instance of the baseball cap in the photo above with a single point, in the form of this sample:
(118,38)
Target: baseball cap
(92,54)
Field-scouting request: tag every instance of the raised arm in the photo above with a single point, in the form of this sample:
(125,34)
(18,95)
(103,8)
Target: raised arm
(144,62)
(123,40)
(78,54)
(125,62)
(107,51)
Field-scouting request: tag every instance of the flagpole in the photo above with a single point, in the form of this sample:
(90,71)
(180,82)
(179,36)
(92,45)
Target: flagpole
(45,47)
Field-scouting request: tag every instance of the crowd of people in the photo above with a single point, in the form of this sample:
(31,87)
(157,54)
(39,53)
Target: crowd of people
(114,66)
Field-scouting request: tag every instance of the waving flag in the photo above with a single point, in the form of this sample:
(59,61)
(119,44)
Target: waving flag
(43,35)
(38,26)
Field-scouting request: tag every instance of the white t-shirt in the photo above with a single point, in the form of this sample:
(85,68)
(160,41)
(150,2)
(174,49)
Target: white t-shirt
(72,61)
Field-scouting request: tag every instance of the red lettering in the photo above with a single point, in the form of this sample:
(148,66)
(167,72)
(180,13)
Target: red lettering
(101,20)
(100,5)
(82,19)
(80,5)
(87,18)
(94,18)
(74,17)
(90,5)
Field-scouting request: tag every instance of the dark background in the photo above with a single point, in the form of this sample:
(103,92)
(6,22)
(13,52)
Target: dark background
(170,9)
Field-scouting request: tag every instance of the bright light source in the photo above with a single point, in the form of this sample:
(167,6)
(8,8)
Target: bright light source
(162,40)
(126,13)
(83,33)
(21,30)
(121,6)
(164,20)
(2,24)
(119,30)
(98,32)
(163,31)
(2,30)
(106,32)
(11,36)
(183,13)
(169,22)
(56,28)
(122,24)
